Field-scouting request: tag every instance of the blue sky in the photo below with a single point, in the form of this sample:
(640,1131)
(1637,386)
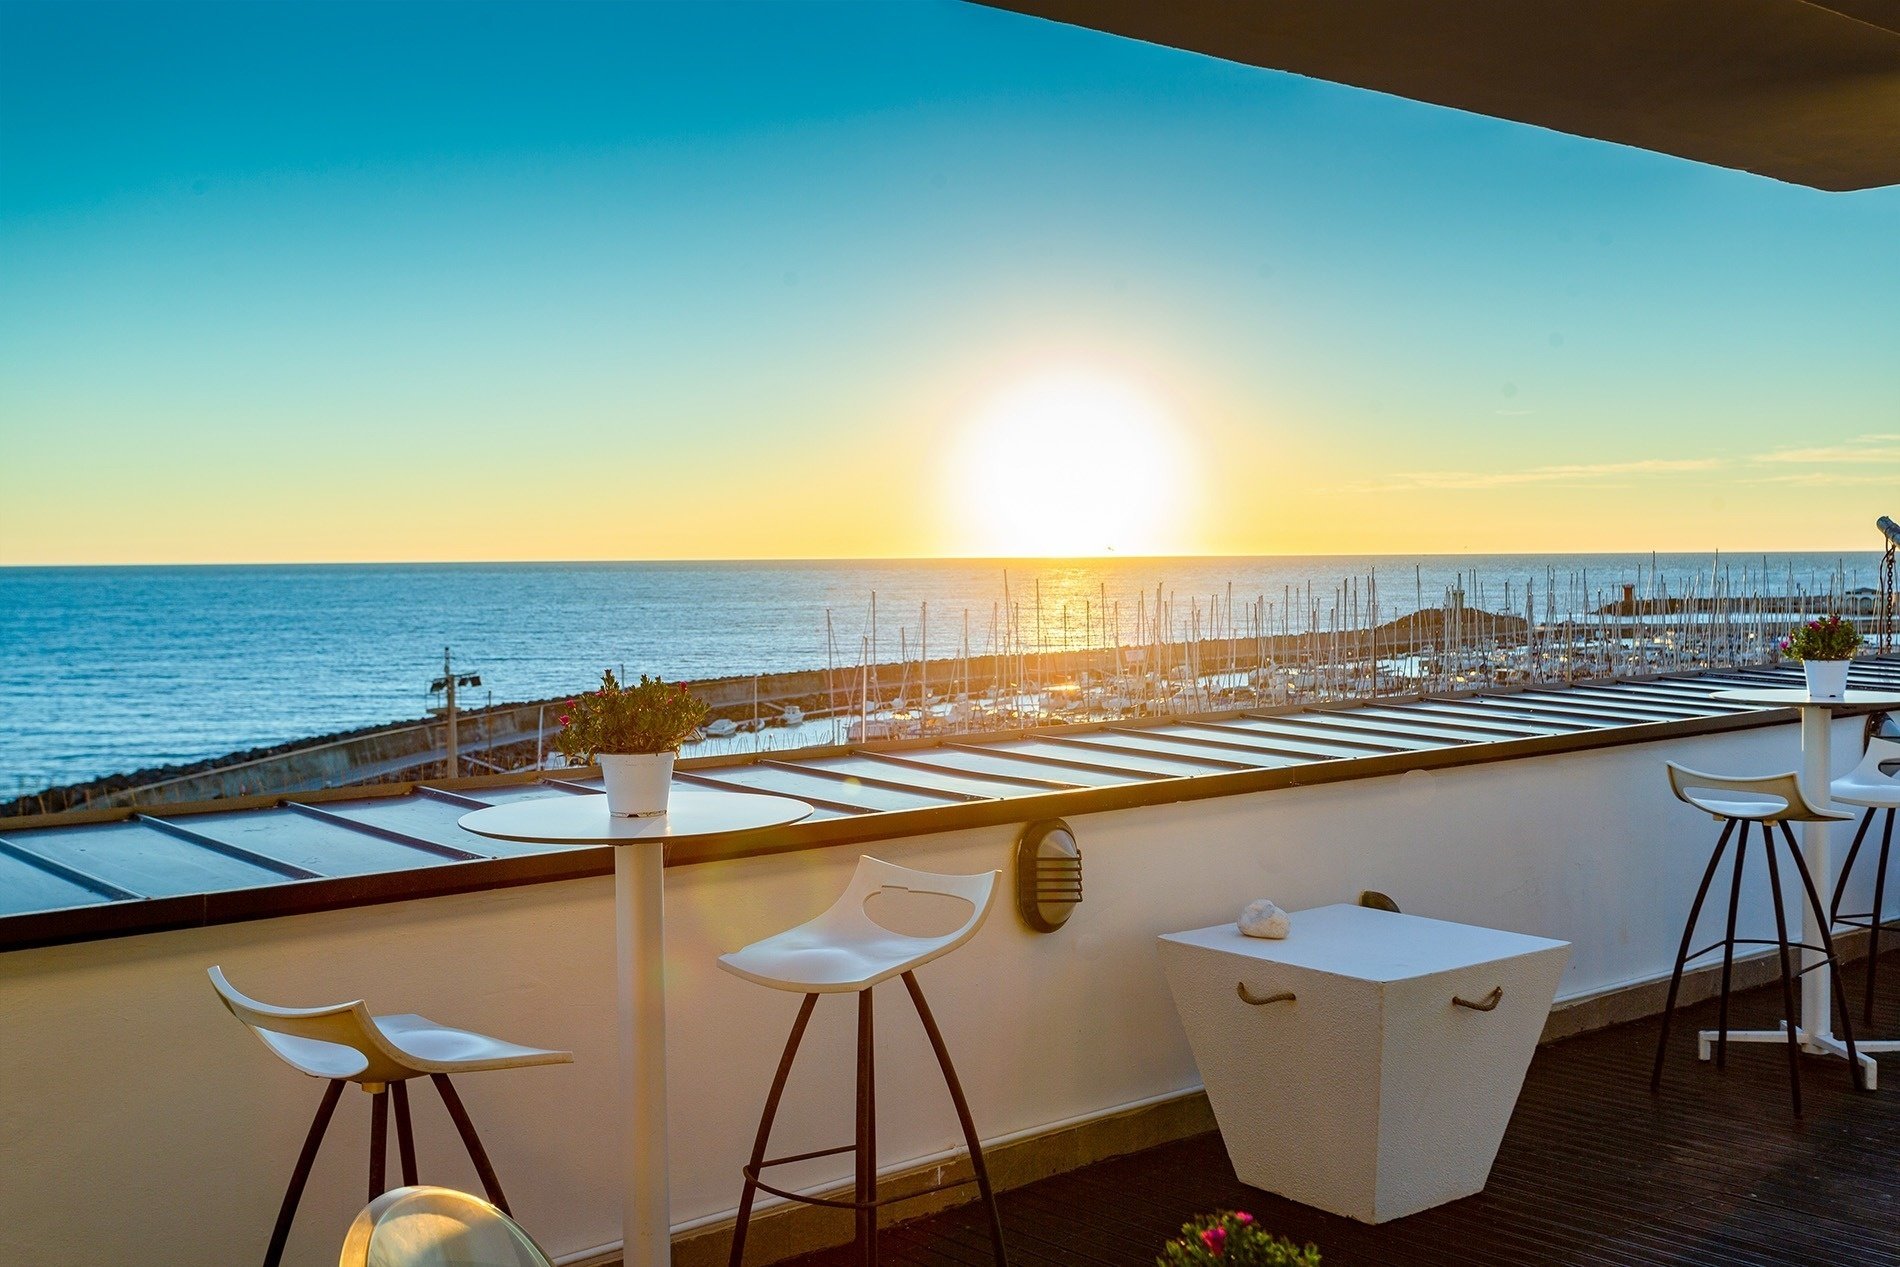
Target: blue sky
(670,281)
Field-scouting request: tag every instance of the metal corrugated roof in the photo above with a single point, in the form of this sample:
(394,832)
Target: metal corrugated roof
(341,849)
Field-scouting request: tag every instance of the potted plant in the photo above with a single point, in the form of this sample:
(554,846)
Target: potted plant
(1235,1240)
(633,733)
(1824,647)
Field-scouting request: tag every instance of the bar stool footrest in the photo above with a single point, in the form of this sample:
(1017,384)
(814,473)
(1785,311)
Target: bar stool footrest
(879,1203)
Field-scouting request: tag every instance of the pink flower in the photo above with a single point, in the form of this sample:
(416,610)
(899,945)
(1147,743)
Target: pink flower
(1242,1217)
(1215,1238)
(564,719)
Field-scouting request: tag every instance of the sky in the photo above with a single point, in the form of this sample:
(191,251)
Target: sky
(300,282)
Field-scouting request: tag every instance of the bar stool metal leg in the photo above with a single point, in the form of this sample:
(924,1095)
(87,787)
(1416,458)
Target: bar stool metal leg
(737,1257)
(299,1176)
(1873,920)
(1847,865)
(1787,979)
(405,1133)
(1728,952)
(1856,1076)
(378,1141)
(963,1116)
(867,1135)
(476,1153)
(1682,953)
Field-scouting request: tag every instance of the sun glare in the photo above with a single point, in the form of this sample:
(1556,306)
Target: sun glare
(1069,465)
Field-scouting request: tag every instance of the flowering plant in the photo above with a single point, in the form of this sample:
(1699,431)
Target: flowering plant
(650,717)
(1830,638)
(1235,1239)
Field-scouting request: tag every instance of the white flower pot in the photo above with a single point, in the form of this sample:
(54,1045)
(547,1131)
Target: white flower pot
(1827,679)
(637,782)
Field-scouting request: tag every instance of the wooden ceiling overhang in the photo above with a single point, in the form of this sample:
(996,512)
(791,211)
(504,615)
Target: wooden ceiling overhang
(1800,91)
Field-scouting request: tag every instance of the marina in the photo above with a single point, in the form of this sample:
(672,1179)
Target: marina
(1044,654)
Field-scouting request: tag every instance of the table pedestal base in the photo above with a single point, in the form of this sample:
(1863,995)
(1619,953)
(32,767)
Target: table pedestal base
(1812,1044)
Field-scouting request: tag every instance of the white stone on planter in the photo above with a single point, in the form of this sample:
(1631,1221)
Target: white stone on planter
(1262,918)
(1340,1070)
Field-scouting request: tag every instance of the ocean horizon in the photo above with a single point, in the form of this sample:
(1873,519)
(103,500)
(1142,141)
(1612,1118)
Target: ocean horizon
(108,669)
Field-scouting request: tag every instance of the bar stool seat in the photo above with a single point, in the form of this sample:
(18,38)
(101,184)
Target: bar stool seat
(1869,786)
(343,1043)
(1766,803)
(415,1044)
(843,951)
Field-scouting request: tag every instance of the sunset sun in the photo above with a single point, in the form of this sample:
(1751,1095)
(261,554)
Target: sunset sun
(1068,464)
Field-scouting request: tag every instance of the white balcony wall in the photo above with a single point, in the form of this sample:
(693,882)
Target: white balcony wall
(139,1123)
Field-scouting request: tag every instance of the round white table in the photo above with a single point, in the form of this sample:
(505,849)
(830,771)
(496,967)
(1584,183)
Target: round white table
(1816,1032)
(693,813)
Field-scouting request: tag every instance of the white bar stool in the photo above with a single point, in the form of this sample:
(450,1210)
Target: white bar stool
(1868,784)
(343,1043)
(845,951)
(1768,802)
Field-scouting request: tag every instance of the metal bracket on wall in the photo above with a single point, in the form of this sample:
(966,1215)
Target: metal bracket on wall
(1048,875)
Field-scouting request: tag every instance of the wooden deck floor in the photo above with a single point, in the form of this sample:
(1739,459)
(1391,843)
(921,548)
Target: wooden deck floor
(1714,1172)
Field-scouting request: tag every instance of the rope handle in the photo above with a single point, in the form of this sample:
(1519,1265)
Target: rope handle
(1488,1003)
(1247,996)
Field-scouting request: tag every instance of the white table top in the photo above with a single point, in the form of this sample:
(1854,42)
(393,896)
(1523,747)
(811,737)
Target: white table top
(1370,945)
(1798,697)
(691,812)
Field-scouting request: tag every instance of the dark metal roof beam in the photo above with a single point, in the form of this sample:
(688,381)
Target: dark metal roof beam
(451,798)
(1607,716)
(72,875)
(1589,699)
(727,785)
(564,785)
(1478,712)
(1129,750)
(1174,735)
(1495,731)
(1037,758)
(910,761)
(289,870)
(382,833)
(1342,722)
(889,785)
(1289,725)
(1271,744)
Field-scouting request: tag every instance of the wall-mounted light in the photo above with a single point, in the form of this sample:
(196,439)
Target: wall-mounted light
(1048,875)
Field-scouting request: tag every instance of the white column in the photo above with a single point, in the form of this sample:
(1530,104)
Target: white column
(640,923)
(1816,725)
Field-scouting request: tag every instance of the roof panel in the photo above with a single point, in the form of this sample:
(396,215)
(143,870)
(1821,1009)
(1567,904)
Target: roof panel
(1625,700)
(1285,726)
(1479,711)
(1387,736)
(993,761)
(1235,749)
(805,785)
(24,889)
(930,780)
(1155,766)
(1476,727)
(139,857)
(301,841)
(1287,750)
(438,822)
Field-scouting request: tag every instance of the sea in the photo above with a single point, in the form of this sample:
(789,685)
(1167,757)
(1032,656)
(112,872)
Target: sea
(109,670)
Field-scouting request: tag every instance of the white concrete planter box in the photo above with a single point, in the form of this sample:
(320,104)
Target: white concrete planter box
(1369,1093)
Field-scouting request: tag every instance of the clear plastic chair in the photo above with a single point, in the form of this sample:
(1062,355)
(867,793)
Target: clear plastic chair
(343,1043)
(1872,785)
(1767,802)
(841,951)
(437,1227)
